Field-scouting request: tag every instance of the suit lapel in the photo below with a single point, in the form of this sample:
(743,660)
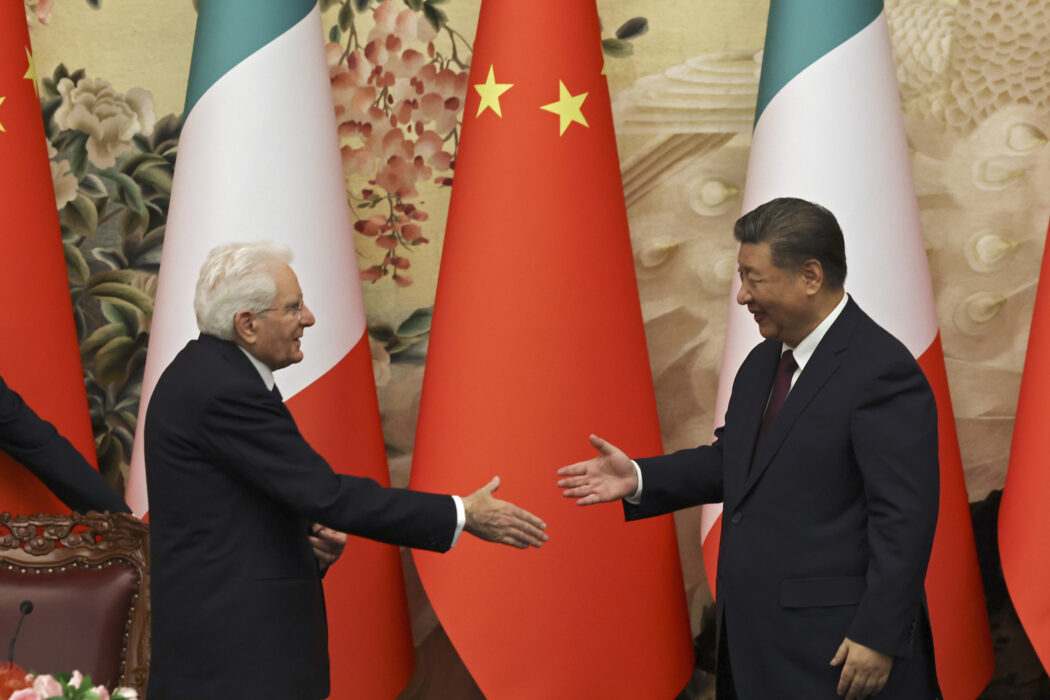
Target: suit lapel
(821,366)
(753,395)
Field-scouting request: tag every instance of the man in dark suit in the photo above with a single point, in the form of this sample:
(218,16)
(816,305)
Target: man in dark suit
(37,445)
(235,491)
(830,494)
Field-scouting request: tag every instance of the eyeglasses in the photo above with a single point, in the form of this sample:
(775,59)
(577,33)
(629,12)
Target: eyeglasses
(296,309)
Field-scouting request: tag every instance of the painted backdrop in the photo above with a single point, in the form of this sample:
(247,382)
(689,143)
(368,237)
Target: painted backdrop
(975,85)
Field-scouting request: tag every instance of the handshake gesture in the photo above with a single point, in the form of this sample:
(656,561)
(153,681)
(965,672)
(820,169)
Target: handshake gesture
(609,476)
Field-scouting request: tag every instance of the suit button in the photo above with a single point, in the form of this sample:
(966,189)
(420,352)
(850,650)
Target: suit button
(737,517)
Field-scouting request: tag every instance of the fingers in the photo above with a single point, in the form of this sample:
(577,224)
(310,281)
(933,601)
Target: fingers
(576,469)
(491,487)
(840,655)
(597,442)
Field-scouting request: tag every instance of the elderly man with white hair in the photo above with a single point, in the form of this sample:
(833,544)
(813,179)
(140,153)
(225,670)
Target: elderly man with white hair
(238,497)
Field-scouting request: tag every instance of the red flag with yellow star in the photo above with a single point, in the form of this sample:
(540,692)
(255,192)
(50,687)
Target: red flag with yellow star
(38,355)
(537,341)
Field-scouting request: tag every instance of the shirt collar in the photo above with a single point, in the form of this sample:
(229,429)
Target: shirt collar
(265,372)
(809,344)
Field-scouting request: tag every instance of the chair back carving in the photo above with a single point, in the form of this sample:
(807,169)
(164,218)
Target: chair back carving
(87,576)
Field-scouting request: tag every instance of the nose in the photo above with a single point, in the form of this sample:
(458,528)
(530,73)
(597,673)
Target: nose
(743,297)
(306,317)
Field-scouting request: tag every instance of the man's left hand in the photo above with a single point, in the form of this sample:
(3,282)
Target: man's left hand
(327,543)
(865,671)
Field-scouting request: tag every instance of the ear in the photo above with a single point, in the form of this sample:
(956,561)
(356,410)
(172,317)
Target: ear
(812,274)
(245,327)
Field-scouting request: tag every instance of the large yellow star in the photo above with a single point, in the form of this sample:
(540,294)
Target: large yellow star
(490,91)
(2,129)
(31,72)
(568,108)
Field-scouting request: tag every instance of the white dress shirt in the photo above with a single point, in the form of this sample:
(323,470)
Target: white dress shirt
(805,349)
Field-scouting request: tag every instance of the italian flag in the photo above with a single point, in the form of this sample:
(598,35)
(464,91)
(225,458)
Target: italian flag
(828,128)
(259,160)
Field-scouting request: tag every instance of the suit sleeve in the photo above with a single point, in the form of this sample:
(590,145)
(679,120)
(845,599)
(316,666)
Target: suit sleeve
(894,435)
(679,480)
(253,436)
(38,446)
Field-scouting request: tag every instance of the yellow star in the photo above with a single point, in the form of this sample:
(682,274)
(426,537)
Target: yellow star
(490,91)
(2,129)
(568,108)
(31,72)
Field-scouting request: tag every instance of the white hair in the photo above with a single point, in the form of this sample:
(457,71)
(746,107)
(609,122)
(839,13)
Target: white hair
(236,277)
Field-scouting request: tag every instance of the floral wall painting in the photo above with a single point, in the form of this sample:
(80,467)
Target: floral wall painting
(975,85)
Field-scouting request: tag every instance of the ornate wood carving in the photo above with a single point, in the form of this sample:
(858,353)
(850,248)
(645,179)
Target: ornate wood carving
(91,539)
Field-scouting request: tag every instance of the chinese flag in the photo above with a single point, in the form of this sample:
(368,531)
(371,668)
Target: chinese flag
(1024,520)
(537,341)
(39,357)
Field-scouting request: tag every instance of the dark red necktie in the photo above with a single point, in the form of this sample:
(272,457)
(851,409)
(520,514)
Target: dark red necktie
(781,387)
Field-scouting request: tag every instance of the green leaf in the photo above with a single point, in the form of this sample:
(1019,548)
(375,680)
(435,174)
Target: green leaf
(122,294)
(381,332)
(96,4)
(92,186)
(126,315)
(132,224)
(417,324)
(121,276)
(77,75)
(617,48)
(111,258)
(414,5)
(435,15)
(48,107)
(136,160)
(81,215)
(100,337)
(634,27)
(76,267)
(335,34)
(361,5)
(60,72)
(128,191)
(158,177)
(346,17)
(78,158)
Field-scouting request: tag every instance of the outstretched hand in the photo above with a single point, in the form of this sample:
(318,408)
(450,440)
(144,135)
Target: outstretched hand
(494,520)
(608,477)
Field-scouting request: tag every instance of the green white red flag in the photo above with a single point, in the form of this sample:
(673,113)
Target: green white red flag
(259,160)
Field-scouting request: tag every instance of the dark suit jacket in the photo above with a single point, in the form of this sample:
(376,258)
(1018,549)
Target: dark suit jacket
(35,443)
(238,609)
(827,530)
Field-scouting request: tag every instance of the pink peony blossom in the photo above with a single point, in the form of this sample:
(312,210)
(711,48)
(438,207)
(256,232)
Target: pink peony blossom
(26,694)
(101,692)
(47,686)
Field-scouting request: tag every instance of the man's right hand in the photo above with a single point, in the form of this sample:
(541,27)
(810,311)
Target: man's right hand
(608,477)
(494,520)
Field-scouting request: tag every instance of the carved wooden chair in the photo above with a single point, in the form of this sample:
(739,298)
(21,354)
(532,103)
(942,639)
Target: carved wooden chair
(87,576)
